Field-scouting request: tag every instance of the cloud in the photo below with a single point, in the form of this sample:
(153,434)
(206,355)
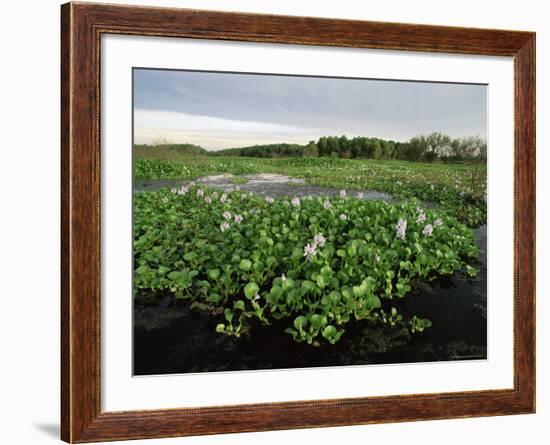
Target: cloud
(212,133)
(284,108)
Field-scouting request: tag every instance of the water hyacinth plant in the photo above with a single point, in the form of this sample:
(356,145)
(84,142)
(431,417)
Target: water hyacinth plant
(248,259)
(458,189)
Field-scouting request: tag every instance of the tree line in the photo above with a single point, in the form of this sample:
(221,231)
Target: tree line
(266,151)
(434,147)
(427,148)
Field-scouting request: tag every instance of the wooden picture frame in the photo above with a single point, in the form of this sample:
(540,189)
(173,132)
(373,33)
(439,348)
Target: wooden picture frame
(82,26)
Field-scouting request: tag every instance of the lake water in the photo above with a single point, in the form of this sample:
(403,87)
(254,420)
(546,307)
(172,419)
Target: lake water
(170,339)
(263,184)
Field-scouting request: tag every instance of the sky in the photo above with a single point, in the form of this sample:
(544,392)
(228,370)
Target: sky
(226,110)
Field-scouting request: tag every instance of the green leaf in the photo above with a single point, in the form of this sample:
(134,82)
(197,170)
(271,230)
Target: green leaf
(214,298)
(300,322)
(214,274)
(271,261)
(190,256)
(288,284)
(308,285)
(276,291)
(228,314)
(329,332)
(402,288)
(239,304)
(360,291)
(335,296)
(163,270)
(322,281)
(347,292)
(175,276)
(245,265)
(373,302)
(142,270)
(250,290)
(318,320)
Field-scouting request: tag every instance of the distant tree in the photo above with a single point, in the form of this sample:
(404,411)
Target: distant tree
(343,146)
(417,148)
(401,150)
(438,145)
(472,149)
(355,147)
(386,149)
(311,149)
(364,152)
(333,145)
(322,146)
(376,149)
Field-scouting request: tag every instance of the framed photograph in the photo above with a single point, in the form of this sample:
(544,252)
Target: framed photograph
(274,222)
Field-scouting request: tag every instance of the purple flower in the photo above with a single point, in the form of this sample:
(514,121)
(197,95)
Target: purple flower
(428,229)
(319,240)
(269,200)
(238,219)
(401,228)
(326,204)
(342,193)
(343,217)
(310,250)
(295,201)
(227,215)
(224,226)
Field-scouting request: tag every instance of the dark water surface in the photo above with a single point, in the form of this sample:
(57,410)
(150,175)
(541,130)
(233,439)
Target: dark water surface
(176,339)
